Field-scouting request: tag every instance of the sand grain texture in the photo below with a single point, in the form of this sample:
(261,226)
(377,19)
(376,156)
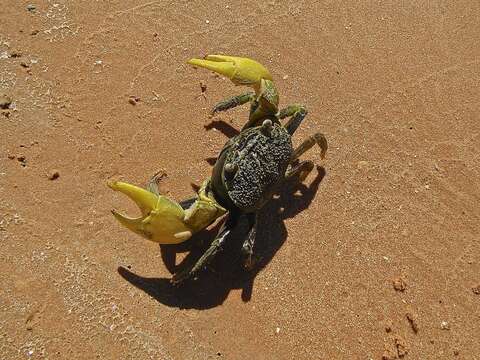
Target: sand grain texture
(100,90)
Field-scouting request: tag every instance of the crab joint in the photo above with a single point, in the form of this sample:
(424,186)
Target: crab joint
(267,127)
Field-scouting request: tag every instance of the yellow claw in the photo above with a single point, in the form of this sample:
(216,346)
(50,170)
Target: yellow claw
(161,220)
(242,71)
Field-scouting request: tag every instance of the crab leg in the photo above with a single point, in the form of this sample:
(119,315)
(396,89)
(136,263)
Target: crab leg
(152,186)
(317,138)
(297,113)
(247,248)
(234,101)
(215,247)
(301,170)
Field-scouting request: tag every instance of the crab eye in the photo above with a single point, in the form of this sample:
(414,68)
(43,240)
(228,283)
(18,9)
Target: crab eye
(267,127)
(230,170)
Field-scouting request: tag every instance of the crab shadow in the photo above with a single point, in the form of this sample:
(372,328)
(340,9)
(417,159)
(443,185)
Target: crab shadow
(226,271)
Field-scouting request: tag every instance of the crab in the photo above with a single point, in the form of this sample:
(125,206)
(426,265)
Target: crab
(249,170)
(252,165)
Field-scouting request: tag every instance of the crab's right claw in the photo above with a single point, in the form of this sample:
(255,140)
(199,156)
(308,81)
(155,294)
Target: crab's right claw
(242,71)
(145,200)
(161,220)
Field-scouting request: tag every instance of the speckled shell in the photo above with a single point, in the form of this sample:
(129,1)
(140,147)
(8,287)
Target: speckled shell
(260,160)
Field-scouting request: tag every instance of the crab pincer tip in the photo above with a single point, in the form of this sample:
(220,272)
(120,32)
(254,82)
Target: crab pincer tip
(224,68)
(112,185)
(144,199)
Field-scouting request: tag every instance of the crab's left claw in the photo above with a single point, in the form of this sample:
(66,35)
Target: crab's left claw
(161,220)
(242,71)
